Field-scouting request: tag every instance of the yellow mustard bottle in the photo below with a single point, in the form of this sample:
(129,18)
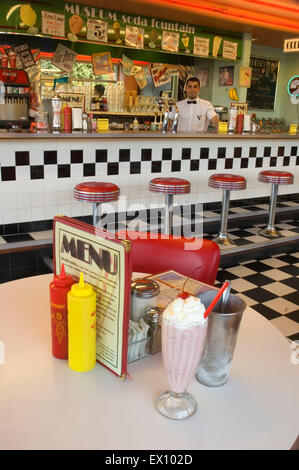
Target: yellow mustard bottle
(81,326)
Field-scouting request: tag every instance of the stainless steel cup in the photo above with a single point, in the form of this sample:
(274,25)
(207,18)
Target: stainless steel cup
(213,370)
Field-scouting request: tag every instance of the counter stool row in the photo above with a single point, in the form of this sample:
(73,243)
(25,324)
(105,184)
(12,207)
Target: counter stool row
(98,192)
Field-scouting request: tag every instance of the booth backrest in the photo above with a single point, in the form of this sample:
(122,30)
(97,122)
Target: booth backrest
(156,255)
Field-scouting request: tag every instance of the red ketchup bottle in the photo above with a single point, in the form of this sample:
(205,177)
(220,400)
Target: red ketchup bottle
(59,288)
(240,122)
(67,119)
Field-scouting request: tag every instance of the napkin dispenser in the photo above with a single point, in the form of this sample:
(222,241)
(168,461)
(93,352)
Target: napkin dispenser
(77,118)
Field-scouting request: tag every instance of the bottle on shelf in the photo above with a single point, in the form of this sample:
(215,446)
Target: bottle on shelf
(135,124)
(104,104)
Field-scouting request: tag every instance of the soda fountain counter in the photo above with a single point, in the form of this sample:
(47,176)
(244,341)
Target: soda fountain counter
(40,171)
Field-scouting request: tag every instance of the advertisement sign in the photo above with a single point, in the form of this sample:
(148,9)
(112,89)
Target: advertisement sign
(291,45)
(102,64)
(24,55)
(82,22)
(53,24)
(229,50)
(201,46)
(64,58)
(97,30)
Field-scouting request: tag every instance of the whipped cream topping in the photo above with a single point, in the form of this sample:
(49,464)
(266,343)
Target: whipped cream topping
(185,313)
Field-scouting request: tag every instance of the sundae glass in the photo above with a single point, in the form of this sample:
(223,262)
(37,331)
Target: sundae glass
(184,330)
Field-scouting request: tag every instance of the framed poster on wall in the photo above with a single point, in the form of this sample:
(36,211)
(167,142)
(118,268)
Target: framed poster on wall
(262,92)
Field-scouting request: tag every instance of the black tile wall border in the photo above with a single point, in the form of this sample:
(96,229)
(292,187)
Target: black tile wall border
(156,167)
(113,168)
(259,162)
(280,152)
(229,163)
(8,173)
(176,165)
(221,152)
(89,169)
(166,154)
(204,152)
(76,156)
(146,155)
(237,152)
(244,162)
(50,157)
(124,155)
(135,168)
(212,164)
(22,158)
(194,165)
(267,151)
(186,154)
(64,171)
(273,161)
(101,156)
(37,172)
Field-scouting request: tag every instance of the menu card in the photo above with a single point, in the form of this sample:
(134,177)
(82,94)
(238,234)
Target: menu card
(172,283)
(105,262)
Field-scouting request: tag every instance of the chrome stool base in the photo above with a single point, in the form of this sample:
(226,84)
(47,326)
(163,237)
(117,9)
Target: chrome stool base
(224,240)
(270,232)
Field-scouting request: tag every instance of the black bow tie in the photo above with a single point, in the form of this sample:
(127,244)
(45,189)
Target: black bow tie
(192,102)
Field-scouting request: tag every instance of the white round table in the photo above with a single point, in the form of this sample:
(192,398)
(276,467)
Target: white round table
(45,405)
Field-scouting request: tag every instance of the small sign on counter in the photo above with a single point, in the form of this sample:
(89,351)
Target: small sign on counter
(222,127)
(102,125)
(293,129)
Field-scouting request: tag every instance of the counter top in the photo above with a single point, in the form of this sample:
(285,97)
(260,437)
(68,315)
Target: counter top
(141,135)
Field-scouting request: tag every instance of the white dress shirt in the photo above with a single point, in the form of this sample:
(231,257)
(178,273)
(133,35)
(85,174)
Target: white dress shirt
(194,117)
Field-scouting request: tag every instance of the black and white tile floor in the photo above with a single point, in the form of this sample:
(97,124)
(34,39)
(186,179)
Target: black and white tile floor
(271,287)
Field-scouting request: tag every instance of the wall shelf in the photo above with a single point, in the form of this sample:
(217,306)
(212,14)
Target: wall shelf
(108,113)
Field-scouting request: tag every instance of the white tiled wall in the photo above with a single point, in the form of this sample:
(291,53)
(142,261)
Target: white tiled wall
(25,200)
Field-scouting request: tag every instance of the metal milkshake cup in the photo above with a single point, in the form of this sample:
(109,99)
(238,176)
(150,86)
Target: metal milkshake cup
(214,367)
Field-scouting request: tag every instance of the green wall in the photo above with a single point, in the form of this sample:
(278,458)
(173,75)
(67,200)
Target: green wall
(289,66)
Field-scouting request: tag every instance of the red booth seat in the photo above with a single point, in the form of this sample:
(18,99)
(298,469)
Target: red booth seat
(165,252)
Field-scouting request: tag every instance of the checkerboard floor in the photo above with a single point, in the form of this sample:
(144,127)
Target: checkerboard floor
(270,286)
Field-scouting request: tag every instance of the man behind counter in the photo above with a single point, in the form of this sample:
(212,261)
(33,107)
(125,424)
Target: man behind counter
(194,113)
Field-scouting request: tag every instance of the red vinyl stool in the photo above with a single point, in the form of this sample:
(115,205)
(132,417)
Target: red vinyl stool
(274,177)
(96,192)
(169,187)
(227,183)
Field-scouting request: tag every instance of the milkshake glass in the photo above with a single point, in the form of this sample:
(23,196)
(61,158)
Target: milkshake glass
(184,330)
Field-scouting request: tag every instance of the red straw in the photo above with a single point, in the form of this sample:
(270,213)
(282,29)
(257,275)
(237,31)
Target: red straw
(216,298)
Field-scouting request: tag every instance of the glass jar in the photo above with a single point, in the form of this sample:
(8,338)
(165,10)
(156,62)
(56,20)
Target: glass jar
(153,318)
(144,294)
